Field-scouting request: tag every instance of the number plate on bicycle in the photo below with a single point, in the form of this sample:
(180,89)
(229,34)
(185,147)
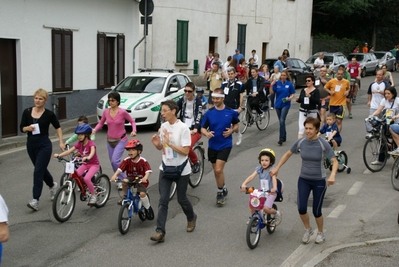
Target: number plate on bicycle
(69,167)
(255,200)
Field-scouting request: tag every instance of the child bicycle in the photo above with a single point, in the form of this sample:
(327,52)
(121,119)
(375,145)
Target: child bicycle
(342,159)
(259,219)
(248,116)
(65,199)
(132,205)
(195,178)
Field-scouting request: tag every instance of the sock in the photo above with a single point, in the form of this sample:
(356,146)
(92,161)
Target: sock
(146,202)
(220,189)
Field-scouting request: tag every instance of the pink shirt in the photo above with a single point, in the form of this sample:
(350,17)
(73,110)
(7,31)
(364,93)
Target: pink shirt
(84,151)
(116,125)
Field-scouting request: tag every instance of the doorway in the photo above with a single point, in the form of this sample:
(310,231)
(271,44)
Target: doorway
(264,50)
(8,86)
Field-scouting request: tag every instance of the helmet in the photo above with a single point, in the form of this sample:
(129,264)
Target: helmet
(199,90)
(135,144)
(83,128)
(268,152)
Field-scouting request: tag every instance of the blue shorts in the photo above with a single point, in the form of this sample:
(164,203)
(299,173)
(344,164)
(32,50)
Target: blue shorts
(325,106)
(339,111)
(395,128)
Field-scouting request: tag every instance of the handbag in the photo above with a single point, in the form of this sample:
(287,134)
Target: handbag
(173,172)
(114,142)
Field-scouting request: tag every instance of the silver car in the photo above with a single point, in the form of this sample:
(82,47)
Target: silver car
(386,58)
(368,62)
(333,60)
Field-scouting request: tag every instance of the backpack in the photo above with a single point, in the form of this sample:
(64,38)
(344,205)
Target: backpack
(280,189)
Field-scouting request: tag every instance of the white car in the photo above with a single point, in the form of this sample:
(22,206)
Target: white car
(143,92)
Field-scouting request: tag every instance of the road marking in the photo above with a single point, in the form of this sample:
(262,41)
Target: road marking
(337,211)
(295,256)
(355,188)
(367,171)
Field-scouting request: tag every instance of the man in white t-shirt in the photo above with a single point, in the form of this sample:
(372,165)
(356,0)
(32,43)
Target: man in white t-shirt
(375,92)
(4,232)
(319,62)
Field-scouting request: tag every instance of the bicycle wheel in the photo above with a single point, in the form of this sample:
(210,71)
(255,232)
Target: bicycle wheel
(195,178)
(64,203)
(271,227)
(244,119)
(63,178)
(395,174)
(342,159)
(172,190)
(103,189)
(371,153)
(262,123)
(253,232)
(124,218)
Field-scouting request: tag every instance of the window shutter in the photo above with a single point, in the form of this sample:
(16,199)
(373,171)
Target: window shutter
(121,57)
(181,41)
(62,60)
(101,50)
(68,61)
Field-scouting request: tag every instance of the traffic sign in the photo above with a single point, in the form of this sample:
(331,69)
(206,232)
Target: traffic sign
(150,7)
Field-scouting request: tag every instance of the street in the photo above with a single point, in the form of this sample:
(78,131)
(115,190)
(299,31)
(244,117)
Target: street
(359,207)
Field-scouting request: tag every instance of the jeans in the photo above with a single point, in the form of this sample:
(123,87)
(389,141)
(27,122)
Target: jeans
(271,98)
(115,156)
(282,115)
(40,154)
(164,192)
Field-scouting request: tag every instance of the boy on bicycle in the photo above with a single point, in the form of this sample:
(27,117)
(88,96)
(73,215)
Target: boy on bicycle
(266,158)
(332,132)
(87,150)
(135,167)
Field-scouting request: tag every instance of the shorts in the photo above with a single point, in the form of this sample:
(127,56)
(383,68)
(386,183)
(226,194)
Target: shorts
(325,106)
(395,128)
(140,187)
(214,155)
(339,111)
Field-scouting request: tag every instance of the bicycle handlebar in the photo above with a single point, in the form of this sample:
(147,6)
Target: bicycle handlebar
(74,160)
(253,188)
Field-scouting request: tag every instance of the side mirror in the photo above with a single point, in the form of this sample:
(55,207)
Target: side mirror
(173,89)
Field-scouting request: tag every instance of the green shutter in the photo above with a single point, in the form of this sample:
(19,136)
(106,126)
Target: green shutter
(182,41)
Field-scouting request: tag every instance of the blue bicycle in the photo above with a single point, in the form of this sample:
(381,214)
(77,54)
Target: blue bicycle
(132,205)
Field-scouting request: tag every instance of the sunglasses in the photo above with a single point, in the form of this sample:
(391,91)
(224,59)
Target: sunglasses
(188,91)
(309,81)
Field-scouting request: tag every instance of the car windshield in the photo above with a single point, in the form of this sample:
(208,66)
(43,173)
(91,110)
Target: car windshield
(379,55)
(141,85)
(358,57)
(328,59)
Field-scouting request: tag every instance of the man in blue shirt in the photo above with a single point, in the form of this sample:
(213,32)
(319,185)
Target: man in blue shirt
(238,56)
(279,64)
(218,125)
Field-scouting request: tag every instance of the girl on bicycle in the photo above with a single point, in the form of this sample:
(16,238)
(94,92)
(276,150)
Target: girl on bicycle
(87,150)
(135,166)
(268,182)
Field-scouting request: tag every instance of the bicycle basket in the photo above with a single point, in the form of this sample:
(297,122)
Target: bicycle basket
(373,125)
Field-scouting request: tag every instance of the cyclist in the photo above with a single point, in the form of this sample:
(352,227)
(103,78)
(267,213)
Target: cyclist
(331,131)
(87,150)
(255,87)
(266,159)
(135,166)
(204,100)
(191,114)
(233,96)
(354,71)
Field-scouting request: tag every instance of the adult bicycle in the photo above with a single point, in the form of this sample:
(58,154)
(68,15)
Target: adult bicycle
(65,199)
(195,178)
(132,205)
(248,116)
(378,143)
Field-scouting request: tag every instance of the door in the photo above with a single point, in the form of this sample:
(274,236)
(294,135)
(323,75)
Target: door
(264,56)
(8,85)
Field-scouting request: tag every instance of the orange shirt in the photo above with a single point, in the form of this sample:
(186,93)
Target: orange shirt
(365,49)
(339,87)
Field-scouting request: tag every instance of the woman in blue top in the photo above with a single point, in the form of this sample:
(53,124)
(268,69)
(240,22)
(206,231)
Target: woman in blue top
(284,92)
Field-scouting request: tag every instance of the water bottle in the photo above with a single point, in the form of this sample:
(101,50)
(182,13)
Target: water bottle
(284,99)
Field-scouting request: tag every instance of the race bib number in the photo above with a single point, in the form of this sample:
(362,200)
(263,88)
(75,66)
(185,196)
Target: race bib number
(168,152)
(188,122)
(317,82)
(352,71)
(217,77)
(264,184)
(254,89)
(306,100)
(37,129)
(69,167)
(226,90)
(337,88)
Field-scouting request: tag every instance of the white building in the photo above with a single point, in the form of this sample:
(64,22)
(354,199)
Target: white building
(77,48)
(184,31)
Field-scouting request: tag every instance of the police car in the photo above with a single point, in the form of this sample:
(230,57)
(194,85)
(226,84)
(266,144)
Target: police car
(143,92)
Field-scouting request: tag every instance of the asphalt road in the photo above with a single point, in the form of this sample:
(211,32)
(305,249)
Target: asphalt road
(360,207)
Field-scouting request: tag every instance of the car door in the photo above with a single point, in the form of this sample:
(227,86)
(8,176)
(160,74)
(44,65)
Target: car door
(303,72)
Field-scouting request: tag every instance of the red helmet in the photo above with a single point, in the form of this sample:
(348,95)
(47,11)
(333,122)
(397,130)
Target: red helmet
(134,144)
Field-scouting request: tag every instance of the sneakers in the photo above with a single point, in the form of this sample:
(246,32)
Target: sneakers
(53,191)
(34,204)
(92,200)
(119,184)
(306,235)
(336,153)
(220,199)
(350,116)
(320,238)
(158,237)
(262,115)
(191,224)
(376,162)
(280,142)
(239,139)
(225,192)
(197,166)
(149,214)
(395,152)
(277,218)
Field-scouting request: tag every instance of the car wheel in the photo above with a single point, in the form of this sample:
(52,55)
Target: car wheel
(363,74)
(157,125)
(375,71)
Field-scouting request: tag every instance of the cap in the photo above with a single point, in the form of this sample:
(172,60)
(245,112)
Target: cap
(237,50)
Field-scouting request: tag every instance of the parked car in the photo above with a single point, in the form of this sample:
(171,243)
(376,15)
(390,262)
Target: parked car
(368,62)
(143,92)
(297,69)
(333,59)
(386,58)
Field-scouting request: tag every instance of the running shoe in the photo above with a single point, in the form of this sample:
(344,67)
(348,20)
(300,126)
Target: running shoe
(225,192)
(239,139)
(53,191)
(220,199)
(306,235)
(277,218)
(320,238)
(350,116)
(395,152)
(197,166)
(376,162)
(34,204)
(119,185)
(92,200)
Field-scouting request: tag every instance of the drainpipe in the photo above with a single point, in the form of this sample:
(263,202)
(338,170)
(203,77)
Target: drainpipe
(134,53)
(228,21)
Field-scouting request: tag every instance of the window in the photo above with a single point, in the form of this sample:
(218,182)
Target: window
(62,60)
(182,41)
(242,32)
(110,55)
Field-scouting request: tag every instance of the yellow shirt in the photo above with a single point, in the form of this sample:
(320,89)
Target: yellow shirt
(215,79)
(339,87)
